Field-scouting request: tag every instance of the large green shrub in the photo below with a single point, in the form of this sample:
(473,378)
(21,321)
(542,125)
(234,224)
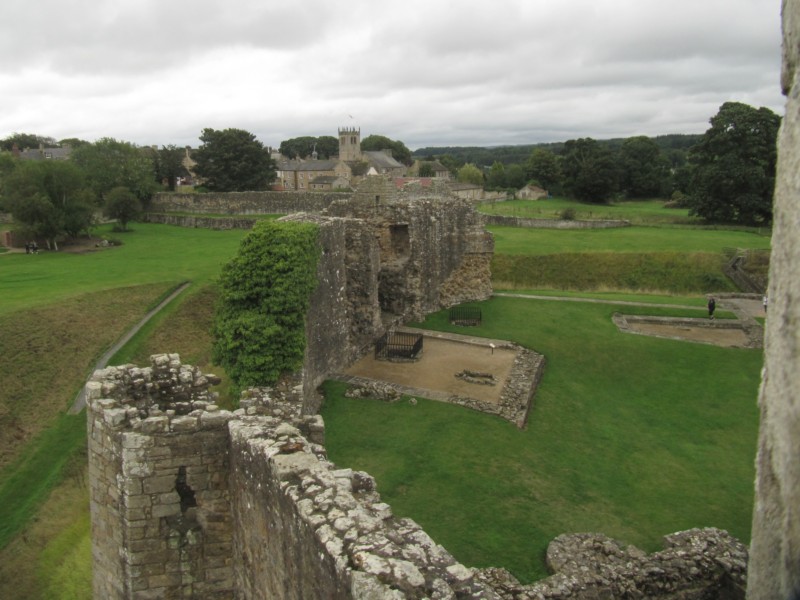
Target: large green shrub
(259,325)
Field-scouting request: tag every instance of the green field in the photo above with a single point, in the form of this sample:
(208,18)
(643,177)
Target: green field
(59,312)
(149,254)
(522,241)
(651,212)
(631,436)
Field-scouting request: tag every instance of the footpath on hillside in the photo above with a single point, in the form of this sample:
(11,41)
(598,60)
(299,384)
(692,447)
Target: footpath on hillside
(80,400)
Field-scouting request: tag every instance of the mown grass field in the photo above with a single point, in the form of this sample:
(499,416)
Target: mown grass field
(539,242)
(61,311)
(631,436)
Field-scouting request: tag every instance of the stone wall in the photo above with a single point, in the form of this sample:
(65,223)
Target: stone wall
(433,248)
(775,546)
(191,501)
(243,203)
(553,223)
(158,469)
(194,221)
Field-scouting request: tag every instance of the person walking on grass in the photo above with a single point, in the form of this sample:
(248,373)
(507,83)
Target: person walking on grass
(712,304)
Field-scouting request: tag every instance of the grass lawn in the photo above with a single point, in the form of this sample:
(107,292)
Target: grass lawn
(149,254)
(635,211)
(629,436)
(522,241)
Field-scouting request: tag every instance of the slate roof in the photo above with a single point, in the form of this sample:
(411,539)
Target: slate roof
(381,159)
(308,165)
(46,153)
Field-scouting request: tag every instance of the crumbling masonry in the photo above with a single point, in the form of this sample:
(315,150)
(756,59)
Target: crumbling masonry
(188,500)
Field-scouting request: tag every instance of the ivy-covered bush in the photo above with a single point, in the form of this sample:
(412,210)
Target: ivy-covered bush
(259,323)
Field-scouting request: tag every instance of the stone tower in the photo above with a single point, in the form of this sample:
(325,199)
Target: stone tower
(158,465)
(349,144)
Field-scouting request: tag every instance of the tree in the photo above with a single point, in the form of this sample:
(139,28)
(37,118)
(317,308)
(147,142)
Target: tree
(109,163)
(451,163)
(50,198)
(469,173)
(72,142)
(233,160)
(496,179)
(122,205)
(733,166)
(380,142)
(26,140)
(299,147)
(169,165)
(515,177)
(426,170)
(643,169)
(259,323)
(590,173)
(543,166)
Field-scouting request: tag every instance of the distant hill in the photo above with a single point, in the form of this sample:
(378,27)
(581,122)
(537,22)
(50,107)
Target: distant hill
(486,156)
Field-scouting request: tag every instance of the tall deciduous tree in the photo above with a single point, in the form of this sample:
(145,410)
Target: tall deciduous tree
(169,165)
(379,142)
(233,160)
(543,166)
(733,166)
(50,198)
(643,169)
(496,179)
(590,173)
(122,205)
(26,140)
(109,163)
(469,173)
(515,176)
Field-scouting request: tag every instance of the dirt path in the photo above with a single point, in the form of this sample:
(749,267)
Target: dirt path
(80,400)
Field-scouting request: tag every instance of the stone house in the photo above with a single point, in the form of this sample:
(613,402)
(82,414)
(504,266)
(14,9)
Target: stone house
(42,153)
(532,192)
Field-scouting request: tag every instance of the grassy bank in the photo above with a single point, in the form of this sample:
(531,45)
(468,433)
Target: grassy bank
(60,311)
(631,436)
(522,241)
(675,272)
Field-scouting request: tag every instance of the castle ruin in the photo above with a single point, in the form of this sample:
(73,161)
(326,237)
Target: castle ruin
(189,500)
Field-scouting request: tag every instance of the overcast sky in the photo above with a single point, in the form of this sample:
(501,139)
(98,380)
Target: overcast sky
(426,72)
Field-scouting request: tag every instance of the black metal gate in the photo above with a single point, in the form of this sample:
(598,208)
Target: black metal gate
(465,315)
(399,345)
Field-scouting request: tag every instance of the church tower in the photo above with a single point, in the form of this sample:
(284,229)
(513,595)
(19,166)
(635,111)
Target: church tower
(349,144)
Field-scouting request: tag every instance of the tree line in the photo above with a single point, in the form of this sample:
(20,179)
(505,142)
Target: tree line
(53,199)
(725,175)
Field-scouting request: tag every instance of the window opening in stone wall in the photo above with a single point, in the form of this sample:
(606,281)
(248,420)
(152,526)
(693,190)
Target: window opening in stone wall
(400,240)
(185,491)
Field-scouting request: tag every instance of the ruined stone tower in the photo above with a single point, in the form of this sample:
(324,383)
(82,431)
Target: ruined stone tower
(158,467)
(349,144)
